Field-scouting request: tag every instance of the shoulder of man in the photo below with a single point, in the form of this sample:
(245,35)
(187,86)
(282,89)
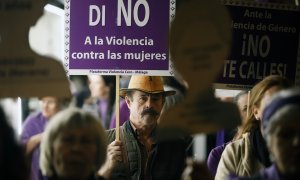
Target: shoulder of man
(111,133)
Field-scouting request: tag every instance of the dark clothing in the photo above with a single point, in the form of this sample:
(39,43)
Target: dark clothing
(13,164)
(218,139)
(101,109)
(92,177)
(166,159)
(270,173)
(259,147)
(33,125)
(214,158)
(81,96)
(224,136)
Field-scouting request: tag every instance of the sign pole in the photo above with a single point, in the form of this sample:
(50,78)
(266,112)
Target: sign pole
(248,101)
(117,107)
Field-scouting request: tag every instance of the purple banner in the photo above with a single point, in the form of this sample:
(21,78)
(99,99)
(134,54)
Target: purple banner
(265,42)
(111,37)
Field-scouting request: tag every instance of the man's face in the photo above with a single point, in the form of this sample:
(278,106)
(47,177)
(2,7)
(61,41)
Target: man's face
(144,108)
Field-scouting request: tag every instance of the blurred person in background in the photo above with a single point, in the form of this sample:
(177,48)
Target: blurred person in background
(73,146)
(226,136)
(241,100)
(123,116)
(173,83)
(124,111)
(247,153)
(13,164)
(33,128)
(281,130)
(82,90)
(102,100)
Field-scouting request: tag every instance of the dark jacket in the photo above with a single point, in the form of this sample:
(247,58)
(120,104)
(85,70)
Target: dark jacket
(166,162)
(92,177)
(270,173)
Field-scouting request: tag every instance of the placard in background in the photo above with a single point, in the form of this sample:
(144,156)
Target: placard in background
(265,42)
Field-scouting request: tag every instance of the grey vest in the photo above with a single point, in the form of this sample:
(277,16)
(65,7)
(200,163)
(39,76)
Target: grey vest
(167,162)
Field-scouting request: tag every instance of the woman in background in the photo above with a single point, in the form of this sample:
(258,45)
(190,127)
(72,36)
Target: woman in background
(281,130)
(102,100)
(215,154)
(247,153)
(73,146)
(34,127)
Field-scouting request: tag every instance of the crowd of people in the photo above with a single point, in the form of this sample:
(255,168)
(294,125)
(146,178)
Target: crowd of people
(247,153)
(63,142)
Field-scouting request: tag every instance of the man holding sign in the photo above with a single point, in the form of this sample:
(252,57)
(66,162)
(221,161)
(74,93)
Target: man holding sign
(138,155)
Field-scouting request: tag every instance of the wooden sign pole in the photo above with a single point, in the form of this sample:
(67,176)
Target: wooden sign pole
(117,108)
(248,101)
